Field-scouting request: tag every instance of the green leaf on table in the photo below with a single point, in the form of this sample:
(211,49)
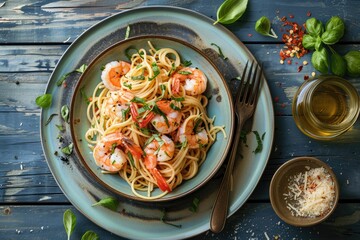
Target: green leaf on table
(69,220)
(319,60)
(108,202)
(263,26)
(314,27)
(44,100)
(309,41)
(334,30)
(352,59)
(230,11)
(337,64)
(90,235)
(68,149)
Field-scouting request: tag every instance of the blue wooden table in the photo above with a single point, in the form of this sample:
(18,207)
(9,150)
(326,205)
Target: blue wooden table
(34,35)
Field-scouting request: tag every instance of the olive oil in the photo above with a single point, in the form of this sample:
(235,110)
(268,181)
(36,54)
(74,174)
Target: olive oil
(326,107)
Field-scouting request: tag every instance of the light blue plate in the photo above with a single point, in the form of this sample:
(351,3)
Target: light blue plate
(141,220)
(220,105)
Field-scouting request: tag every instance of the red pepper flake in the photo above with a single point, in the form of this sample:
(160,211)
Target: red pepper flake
(291,16)
(306,77)
(249,35)
(292,40)
(308,14)
(276,99)
(300,68)
(289,62)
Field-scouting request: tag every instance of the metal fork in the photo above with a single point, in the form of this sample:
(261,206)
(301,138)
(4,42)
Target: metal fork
(245,104)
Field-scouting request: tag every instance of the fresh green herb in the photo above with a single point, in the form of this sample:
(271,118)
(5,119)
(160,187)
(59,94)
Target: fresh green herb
(157,110)
(68,149)
(184,72)
(187,63)
(50,118)
(84,96)
(60,127)
(127,33)
(113,146)
(263,26)
(173,106)
(44,101)
(138,100)
(319,60)
(314,27)
(259,147)
(334,31)
(230,11)
(90,235)
(309,42)
(163,90)
(140,77)
(178,99)
(81,69)
(69,220)
(128,53)
(243,137)
(198,121)
(108,202)
(337,63)
(163,219)
(128,85)
(124,113)
(131,158)
(195,205)
(352,59)
(219,51)
(65,113)
(155,69)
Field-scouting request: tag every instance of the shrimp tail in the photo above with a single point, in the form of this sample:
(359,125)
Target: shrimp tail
(134,149)
(160,180)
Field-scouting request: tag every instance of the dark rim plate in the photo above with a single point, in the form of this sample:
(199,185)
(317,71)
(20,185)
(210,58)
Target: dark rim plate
(220,99)
(141,220)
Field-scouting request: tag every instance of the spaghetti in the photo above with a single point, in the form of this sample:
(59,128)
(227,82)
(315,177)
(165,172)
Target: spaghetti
(149,122)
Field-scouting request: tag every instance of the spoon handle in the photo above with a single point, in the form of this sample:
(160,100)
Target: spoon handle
(221,205)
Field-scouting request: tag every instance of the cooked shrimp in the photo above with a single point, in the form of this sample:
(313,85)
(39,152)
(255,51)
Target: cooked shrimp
(109,151)
(193,80)
(194,139)
(115,104)
(159,149)
(172,120)
(112,73)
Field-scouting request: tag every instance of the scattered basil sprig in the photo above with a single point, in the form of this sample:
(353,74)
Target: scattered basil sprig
(263,26)
(230,11)
(319,38)
(44,100)
(69,220)
(108,202)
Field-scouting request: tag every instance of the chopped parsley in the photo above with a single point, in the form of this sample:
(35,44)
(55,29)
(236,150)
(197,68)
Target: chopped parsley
(219,51)
(50,118)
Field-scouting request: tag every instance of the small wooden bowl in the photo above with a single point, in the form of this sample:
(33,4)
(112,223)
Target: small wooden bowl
(279,186)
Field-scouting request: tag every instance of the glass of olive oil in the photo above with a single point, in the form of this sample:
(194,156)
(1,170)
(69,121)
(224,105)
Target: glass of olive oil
(326,107)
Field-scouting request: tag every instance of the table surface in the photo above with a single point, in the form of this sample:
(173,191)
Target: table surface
(34,35)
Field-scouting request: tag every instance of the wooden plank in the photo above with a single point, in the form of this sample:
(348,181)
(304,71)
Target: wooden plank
(252,221)
(63,21)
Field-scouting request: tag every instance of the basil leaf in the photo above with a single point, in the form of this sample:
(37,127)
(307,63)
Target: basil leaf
(259,147)
(187,63)
(50,118)
(90,235)
(44,100)
(195,205)
(337,64)
(83,94)
(140,77)
(219,50)
(69,220)
(309,42)
(263,26)
(68,149)
(318,43)
(65,113)
(138,100)
(230,11)
(334,30)
(108,202)
(163,219)
(62,79)
(314,27)
(156,70)
(352,59)
(184,72)
(319,60)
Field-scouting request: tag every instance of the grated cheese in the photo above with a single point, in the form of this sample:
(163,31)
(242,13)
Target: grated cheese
(311,193)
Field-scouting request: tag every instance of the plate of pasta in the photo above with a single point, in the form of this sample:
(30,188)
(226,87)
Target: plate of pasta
(153,127)
(108,118)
